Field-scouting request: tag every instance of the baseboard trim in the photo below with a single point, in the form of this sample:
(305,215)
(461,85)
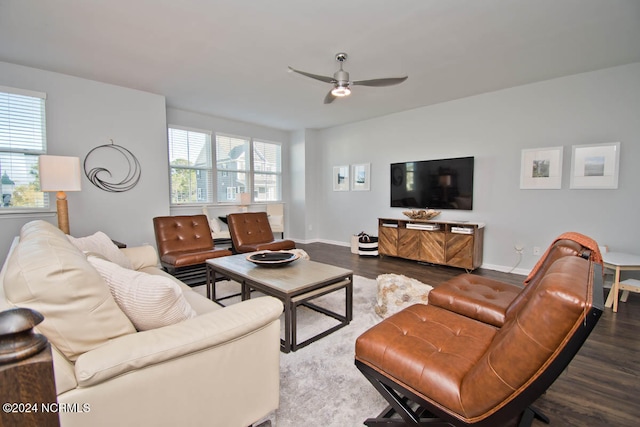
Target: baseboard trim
(329,242)
(505,269)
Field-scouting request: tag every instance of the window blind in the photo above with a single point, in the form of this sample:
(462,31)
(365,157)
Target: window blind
(190,166)
(22,141)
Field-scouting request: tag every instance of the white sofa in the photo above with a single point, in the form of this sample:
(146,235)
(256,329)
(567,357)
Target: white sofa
(219,368)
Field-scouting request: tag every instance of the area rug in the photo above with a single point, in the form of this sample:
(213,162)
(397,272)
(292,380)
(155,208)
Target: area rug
(319,384)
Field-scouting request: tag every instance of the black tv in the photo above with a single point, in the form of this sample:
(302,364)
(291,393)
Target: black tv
(433,184)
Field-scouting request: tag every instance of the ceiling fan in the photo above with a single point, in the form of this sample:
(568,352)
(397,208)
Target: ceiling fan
(342,84)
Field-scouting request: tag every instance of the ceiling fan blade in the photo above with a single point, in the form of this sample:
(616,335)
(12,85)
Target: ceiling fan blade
(381,82)
(329,98)
(314,76)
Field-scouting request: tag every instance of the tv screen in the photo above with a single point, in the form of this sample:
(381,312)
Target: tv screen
(433,184)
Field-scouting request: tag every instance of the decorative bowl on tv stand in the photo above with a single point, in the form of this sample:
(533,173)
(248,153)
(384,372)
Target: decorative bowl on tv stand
(421,214)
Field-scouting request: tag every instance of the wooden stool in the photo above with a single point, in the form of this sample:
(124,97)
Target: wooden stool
(629,285)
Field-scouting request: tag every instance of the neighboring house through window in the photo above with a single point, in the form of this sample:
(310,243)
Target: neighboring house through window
(267,171)
(22,141)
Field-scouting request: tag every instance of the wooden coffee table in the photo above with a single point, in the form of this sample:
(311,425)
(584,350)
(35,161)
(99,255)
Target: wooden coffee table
(294,284)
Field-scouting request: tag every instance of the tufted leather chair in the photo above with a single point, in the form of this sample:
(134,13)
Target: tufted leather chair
(463,371)
(250,232)
(184,244)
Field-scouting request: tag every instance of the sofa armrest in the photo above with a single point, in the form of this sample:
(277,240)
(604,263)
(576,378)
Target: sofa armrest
(142,256)
(135,351)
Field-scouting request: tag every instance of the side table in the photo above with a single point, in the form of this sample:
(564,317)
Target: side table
(618,261)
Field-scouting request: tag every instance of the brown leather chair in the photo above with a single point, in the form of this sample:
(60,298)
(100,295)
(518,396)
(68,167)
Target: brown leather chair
(184,244)
(251,232)
(438,367)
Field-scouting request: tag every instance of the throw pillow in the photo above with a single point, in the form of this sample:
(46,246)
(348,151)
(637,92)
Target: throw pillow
(101,244)
(47,273)
(396,292)
(213,222)
(149,301)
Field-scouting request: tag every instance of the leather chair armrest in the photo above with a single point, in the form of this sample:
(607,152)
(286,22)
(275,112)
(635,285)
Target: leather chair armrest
(136,351)
(142,256)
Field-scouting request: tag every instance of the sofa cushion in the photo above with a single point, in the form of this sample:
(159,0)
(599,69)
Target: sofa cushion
(45,272)
(149,301)
(101,244)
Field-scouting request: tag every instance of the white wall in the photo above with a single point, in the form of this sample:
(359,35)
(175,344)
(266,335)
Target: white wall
(298,184)
(589,108)
(81,115)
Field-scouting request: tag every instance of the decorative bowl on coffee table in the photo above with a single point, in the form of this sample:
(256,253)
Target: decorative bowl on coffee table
(272,258)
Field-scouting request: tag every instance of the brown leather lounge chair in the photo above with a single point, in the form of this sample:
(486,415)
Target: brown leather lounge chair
(184,244)
(452,366)
(251,232)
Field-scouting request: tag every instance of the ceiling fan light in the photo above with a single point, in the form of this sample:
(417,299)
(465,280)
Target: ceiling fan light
(341,91)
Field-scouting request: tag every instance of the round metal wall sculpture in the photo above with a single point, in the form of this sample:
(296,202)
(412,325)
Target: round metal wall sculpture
(97,176)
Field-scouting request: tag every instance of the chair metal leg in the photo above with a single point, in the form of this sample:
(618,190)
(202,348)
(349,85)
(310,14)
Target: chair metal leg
(400,405)
(530,414)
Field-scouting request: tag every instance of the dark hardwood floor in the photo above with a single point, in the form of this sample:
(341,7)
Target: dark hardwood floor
(601,386)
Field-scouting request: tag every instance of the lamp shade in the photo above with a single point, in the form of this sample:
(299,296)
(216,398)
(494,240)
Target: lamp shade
(60,173)
(243,199)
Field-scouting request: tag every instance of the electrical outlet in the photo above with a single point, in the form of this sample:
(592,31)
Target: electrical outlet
(536,250)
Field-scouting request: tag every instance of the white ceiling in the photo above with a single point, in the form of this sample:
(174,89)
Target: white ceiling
(229,58)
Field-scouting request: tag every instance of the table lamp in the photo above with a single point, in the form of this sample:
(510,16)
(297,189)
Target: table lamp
(60,174)
(244,200)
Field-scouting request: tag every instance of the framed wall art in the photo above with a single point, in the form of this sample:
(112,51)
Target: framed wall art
(341,178)
(595,166)
(361,177)
(541,168)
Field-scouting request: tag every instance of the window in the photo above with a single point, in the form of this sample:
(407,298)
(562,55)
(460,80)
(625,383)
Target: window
(237,173)
(190,166)
(232,166)
(242,165)
(22,141)
(267,171)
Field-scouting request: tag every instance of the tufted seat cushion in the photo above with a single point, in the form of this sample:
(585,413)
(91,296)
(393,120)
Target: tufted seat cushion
(427,348)
(477,297)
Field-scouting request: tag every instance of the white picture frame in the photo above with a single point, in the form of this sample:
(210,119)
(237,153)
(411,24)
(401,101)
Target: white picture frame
(361,177)
(595,166)
(541,168)
(341,178)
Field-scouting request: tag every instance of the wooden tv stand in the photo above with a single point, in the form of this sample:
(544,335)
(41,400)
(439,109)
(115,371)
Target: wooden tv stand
(456,244)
